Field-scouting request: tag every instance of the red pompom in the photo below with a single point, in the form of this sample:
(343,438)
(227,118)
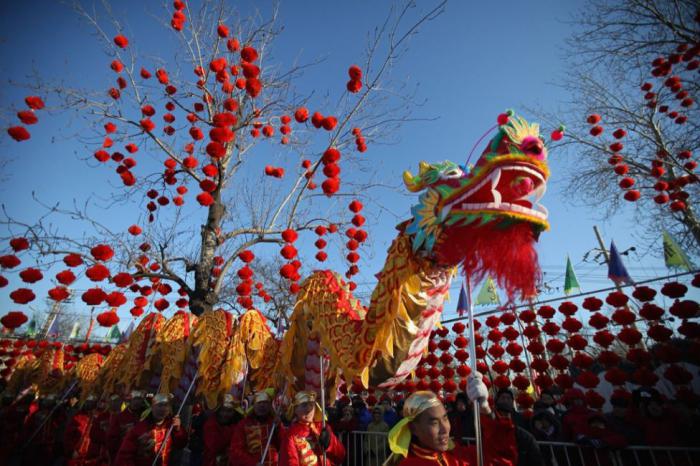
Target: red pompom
(502,119)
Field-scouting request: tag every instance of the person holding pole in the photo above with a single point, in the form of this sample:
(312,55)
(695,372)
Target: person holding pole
(422,437)
(217,431)
(251,435)
(123,421)
(149,438)
(81,437)
(306,442)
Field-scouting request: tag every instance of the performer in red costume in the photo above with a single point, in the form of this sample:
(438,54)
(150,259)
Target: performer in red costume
(121,422)
(37,444)
(305,441)
(217,431)
(143,442)
(251,435)
(83,438)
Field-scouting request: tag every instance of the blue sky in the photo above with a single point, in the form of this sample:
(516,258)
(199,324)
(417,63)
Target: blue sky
(469,64)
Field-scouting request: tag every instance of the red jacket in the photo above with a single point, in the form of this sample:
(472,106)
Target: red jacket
(217,438)
(575,422)
(418,456)
(44,447)
(119,425)
(11,423)
(300,446)
(84,438)
(249,440)
(143,442)
(499,440)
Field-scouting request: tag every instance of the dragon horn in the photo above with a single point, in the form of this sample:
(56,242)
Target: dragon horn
(423,167)
(411,184)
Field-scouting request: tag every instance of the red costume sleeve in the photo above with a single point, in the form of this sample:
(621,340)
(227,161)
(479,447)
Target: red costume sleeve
(73,434)
(114,436)
(288,451)
(336,450)
(180,437)
(126,455)
(499,441)
(238,453)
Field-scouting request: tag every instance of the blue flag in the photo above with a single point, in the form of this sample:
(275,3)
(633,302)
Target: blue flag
(616,269)
(462,303)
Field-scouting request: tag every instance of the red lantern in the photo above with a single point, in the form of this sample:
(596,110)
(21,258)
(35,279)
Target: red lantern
(674,290)
(568,308)
(644,293)
(13,319)
(592,303)
(107,319)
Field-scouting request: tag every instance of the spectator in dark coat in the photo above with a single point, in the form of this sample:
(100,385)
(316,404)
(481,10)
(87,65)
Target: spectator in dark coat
(461,419)
(620,420)
(528,452)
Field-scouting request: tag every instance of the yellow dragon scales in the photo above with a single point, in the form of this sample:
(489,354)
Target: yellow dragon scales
(486,220)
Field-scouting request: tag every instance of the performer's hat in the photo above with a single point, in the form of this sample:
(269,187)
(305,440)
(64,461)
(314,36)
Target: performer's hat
(161,398)
(400,435)
(261,396)
(229,401)
(307,397)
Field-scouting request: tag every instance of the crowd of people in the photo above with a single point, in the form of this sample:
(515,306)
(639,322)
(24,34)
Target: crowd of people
(145,430)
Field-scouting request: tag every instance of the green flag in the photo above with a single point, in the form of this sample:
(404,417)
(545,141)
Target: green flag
(673,254)
(114,334)
(31,328)
(487,295)
(570,280)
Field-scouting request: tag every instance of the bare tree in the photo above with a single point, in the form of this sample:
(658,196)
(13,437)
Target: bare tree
(632,121)
(226,100)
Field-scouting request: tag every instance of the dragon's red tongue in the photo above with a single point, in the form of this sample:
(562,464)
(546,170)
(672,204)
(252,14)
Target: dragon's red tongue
(507,255)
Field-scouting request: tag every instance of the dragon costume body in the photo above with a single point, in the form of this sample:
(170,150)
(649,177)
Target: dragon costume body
(485,220)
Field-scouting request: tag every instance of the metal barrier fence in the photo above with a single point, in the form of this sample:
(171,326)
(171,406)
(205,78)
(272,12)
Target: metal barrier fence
(372,449)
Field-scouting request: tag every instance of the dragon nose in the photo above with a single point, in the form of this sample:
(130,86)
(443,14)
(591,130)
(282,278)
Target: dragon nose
(533,146)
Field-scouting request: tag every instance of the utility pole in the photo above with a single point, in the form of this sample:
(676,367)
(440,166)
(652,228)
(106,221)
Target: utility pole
(50,319)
